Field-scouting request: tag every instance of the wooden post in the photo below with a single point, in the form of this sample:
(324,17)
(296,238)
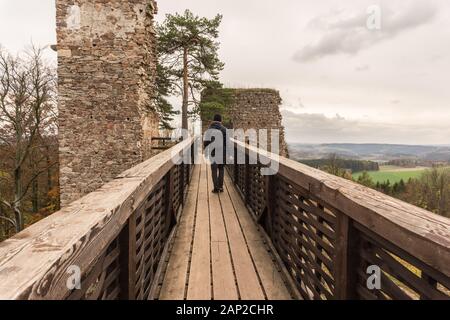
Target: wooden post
(235,167)
(346,259)
(319,247)
(170,214)
(181,183)
(271,202)
(191,167)
(432,282)
(127,260)
(247,178)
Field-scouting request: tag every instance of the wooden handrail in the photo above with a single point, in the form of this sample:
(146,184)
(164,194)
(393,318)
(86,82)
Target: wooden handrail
(325,230)
(343,217)
(93,234)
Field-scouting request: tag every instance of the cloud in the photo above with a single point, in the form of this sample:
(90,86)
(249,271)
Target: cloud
(345,33)
(318,128)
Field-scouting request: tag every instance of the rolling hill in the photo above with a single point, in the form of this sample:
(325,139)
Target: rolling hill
(377,152)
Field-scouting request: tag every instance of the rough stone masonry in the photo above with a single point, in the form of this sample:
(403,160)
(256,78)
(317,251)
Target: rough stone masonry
(258,109)
(106,73)
(255,109)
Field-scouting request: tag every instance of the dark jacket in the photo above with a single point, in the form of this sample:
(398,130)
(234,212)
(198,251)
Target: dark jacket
(215,126)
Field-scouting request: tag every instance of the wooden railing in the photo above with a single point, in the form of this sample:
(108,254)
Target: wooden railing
(113,238)
(327,231)
(164,143)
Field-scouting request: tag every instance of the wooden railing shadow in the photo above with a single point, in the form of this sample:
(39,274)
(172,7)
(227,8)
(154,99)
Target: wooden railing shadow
(328,231)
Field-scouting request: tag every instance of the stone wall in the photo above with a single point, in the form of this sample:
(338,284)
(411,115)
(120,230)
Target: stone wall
(106,72)
(256,109)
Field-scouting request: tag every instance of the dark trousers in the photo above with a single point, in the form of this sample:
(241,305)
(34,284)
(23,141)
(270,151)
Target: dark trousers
(218,171)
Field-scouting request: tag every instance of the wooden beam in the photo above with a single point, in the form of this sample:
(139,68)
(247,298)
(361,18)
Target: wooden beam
(346,259)
(419,232)
(271,203)
(127,259)
(169,189)
(34,262)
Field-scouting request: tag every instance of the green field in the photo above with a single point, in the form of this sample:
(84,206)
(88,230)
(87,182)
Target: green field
(393,174)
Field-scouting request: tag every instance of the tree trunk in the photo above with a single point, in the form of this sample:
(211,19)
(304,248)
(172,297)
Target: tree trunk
(3,224)
(34,184)
(17,199)
(35,195)
(184,110)
(18,183)
(49,172)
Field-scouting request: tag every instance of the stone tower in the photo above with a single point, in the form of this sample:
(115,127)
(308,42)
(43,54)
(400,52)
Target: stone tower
(255,109)
(258,109)
(106,74)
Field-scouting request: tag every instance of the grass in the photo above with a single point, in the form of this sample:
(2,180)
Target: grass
(393,174)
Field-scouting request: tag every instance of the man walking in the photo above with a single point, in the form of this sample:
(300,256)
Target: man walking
(215,147)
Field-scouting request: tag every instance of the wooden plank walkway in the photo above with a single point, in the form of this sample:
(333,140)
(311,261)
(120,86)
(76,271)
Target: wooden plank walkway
(218,251)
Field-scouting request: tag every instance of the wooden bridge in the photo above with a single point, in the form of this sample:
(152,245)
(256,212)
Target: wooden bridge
(158,232)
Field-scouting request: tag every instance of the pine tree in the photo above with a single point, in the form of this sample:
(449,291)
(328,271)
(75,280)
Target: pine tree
(164,88)
(188,52)
(366,180)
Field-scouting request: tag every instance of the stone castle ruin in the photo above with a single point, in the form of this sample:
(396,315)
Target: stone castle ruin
(106,73)
(249,109)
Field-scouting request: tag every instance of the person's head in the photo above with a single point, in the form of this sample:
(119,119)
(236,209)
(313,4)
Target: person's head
(218,118)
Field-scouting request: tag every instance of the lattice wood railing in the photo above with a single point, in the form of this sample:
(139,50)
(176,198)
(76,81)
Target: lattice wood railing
(116,237)
(327,231)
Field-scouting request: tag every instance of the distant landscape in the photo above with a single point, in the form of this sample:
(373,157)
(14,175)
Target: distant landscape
(375,152)
(418,174)
(383,162)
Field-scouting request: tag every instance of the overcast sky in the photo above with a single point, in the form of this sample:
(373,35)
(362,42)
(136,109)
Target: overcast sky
(340,81)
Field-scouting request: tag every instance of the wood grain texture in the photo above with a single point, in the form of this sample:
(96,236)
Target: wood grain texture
(33,263)
(246,274)
(328,231)
(228,270)
(417,231)
(174,284)
(224,284)
(199,286)
(269,273)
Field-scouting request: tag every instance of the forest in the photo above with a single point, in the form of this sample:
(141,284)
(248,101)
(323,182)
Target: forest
(29,162)
(29,169)
(431,191)
(348,164)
